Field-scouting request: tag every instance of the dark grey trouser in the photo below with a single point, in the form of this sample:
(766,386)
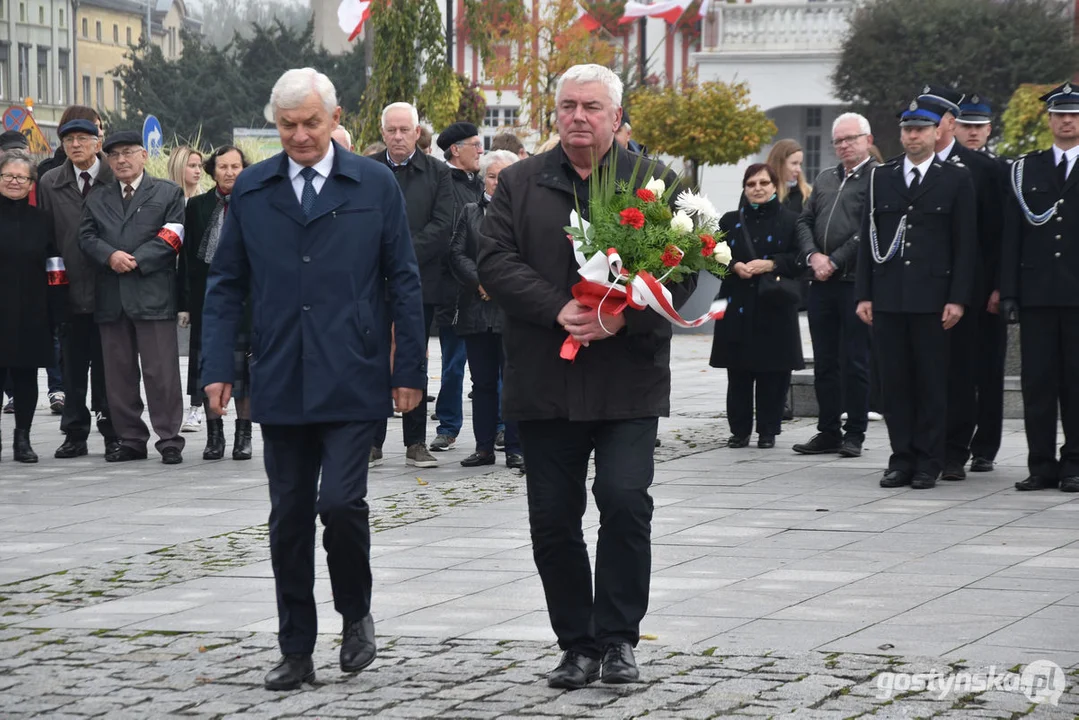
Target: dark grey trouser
(124,344)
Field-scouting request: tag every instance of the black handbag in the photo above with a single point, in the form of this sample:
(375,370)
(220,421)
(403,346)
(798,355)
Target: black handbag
(772,288)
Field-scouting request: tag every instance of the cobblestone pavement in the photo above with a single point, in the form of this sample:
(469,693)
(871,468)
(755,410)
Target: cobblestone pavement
(782,586)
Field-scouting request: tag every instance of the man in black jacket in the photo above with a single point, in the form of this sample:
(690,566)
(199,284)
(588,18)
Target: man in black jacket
(828,237)
(916,273)
(428,193)
(462,147)
(608,400)
(967,349)
(1040,288)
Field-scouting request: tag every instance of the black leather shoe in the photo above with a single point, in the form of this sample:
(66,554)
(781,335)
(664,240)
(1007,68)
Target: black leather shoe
(618,666)
(574,671)
(479,458)
(1034,482)
(125,454)
(24,453)
(171,456)
(737,442)
(515,460)
(923,481)
(953,472)
(290,673)
(358,644)
(819,444)
(241,446)
(111,446)
(980,464)
(215,439)
(851,447)
(766,442)
(71,449)
(894,479)
(1069,484)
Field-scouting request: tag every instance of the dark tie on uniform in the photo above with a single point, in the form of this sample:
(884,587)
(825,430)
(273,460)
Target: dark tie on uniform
(914,181)
(128,192)
(1062,170)
(86,180)
(307,197)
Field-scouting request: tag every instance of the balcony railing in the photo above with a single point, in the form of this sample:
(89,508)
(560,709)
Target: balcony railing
(778,27)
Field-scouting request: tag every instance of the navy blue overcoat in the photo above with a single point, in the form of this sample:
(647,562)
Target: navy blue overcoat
(324,290)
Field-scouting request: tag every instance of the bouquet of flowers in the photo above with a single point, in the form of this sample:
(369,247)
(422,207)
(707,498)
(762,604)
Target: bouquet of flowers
(633,243)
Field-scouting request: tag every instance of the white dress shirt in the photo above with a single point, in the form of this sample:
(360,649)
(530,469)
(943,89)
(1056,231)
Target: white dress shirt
(93,170)
(923,168)
(943,154)
(322,168)
(134,184)
(1070,154)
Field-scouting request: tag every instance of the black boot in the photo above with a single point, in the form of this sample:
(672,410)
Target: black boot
(23,452)
(215,439)
(241,447)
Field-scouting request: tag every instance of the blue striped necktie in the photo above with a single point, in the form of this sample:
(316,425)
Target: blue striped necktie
(307,197)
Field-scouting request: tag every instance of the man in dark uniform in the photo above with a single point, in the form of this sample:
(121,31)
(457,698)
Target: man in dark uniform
(1040,289)
(975,123)
(916,267)
(966,348)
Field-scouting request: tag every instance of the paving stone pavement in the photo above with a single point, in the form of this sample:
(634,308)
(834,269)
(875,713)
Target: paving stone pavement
(782,586)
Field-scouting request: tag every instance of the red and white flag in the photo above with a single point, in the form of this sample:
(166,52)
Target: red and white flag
(585,18)
(669,10)
(351,15)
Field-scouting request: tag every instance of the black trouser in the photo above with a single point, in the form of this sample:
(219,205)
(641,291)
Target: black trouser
(23,392)
(962,410)
(989,377)
(82,359)
(771,391)
(558,452)
(485,359)
(1049,342)
(840,358)
(912,352)
(414,423)
(294,455)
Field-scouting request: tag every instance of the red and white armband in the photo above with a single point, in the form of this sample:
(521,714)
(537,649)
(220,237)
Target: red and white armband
(172,234)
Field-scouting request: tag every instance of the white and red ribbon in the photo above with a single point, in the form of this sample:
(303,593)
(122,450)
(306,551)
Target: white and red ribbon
(56,271)
(173,235)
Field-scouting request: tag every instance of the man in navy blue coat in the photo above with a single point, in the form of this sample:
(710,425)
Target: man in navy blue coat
(319,238)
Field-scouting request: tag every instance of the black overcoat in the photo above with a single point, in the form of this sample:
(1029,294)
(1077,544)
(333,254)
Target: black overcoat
(754,335)
(27,307)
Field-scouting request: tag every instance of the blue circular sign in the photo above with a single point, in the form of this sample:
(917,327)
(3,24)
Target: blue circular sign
(152,136)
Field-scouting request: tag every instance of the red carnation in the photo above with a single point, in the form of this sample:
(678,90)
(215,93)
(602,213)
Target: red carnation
(632,217)
(709,244)
(672,256)
(646,195)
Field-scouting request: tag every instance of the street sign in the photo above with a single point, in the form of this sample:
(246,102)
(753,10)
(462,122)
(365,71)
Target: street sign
(20,119)
(152,137)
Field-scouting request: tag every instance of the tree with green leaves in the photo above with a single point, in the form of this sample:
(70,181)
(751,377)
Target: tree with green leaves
(989,47)
(709,123)
(408,65)
(1025,122)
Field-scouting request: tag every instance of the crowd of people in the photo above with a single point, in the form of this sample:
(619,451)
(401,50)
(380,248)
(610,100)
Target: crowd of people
(314,280)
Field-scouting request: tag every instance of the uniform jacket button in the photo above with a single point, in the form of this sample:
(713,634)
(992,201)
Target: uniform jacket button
(906,262)
(1056,254)
(306,307)
(307,258)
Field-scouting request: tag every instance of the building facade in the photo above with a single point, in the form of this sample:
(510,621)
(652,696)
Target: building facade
(36,58)
(105,31)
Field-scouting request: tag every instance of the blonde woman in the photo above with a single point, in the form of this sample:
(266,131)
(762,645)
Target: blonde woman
(786,159)
(185,169)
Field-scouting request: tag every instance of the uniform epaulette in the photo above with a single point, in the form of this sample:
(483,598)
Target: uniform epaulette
(955,160)
(893,161)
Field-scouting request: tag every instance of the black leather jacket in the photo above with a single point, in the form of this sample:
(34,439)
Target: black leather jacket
(832,218)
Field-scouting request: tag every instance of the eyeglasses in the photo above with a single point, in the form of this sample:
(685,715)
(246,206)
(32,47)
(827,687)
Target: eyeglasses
(847,140)
(130,152)
(476,145)
(17,179)
(758,183)
(72,140)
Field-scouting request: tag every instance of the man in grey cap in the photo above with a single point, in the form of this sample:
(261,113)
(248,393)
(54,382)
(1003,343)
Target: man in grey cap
(133,229)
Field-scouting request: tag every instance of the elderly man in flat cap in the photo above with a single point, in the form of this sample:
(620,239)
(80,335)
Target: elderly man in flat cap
(132,229)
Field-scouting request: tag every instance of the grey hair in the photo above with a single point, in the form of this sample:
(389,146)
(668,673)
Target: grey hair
(21,156)
(293,88)
(401,106)
(589,73)
(496,157)
(863,124)
(348,135)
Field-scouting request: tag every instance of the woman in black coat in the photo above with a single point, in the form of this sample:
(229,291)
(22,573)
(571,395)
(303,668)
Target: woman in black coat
(203,221)
(479,321)
(32,293)
(758,340)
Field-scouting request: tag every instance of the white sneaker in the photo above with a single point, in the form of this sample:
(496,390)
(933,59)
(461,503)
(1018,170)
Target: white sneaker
(875,416)
(193,421)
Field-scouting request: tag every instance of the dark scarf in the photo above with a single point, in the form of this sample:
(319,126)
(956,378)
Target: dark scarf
(208,246)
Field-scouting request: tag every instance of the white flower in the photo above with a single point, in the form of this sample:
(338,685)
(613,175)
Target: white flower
(693,204)
(657,186)
(681,223)
(722,254)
